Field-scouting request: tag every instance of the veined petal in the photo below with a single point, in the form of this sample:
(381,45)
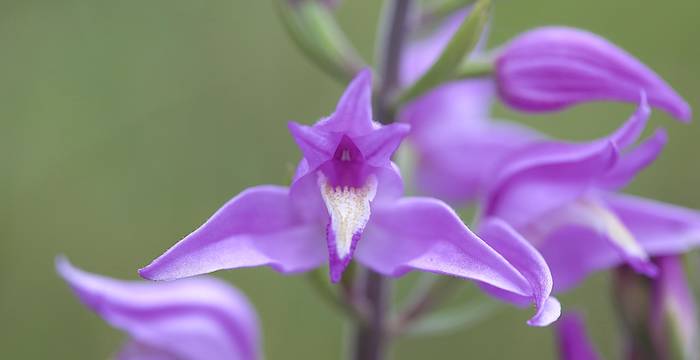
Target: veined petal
(573,340)
(200,318)
(425,234)
(349,211)
(521,254)
(661,228)
(353,115)
(258,227)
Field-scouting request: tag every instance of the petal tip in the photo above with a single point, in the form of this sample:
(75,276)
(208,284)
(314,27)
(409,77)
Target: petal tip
(547,314)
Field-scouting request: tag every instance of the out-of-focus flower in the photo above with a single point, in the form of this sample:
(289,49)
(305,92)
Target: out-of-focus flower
(202,318)
(673,321)
(562,197)
(552,68)
(347,188)
(572,339)
(451,123)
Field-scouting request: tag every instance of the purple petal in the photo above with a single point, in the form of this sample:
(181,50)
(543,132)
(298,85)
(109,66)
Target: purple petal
(541,178)
(425,234)
(552,68)
(662,229)
(521,254)
(451,170)
(378,146)
(317,146)
(258,227)
(635,160)
(353,115)
(545,175)
(201,318)
(573,340)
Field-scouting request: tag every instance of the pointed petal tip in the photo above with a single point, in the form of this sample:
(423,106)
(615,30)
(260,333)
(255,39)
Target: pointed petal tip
(63,266)
(547,314)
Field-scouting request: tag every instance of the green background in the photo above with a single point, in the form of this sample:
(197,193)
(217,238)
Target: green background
(124,124)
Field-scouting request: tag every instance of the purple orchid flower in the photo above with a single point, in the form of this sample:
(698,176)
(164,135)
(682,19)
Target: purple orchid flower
(202,318)
(347,191)
(523,177)
(562,197)
(552,68)
(572,339)
(674,327)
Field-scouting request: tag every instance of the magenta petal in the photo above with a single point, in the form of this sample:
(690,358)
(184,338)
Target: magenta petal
(661,228)
(552,68)
(635,160)
(317,146)
(200,318)
(544,177)
(573,340)
(258,227)
(427,235)
(353,115)
(521,254)
(378,146)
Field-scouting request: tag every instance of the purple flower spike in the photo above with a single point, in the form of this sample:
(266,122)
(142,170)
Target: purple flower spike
(552,68)
(572,339)
(192,319)
(347,191)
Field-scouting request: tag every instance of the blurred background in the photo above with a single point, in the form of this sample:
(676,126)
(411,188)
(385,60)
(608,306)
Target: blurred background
(125,124)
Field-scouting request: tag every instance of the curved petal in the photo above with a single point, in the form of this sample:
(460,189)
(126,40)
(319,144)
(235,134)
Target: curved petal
(545,175)
(521,254)
(200,318)
(635,160)
(427,235)
(258,227)
(552,68)
(661,228)
(573,340)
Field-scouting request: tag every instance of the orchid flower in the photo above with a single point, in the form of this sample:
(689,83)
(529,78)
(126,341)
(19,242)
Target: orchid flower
(202,318)
(572,339)
(549,191)
(563,198)
(345,202)
(552,68)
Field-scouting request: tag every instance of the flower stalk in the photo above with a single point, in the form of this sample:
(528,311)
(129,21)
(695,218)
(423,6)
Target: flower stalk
(370,340)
